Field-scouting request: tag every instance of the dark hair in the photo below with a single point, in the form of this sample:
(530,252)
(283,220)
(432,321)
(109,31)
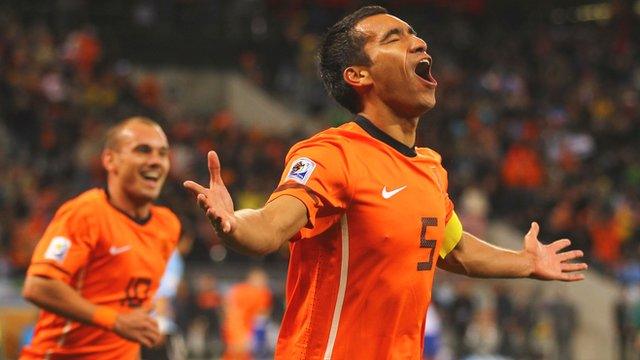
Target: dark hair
(342,46)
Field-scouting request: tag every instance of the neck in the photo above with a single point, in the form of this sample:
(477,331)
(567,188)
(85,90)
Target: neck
(122,202)
(401,128)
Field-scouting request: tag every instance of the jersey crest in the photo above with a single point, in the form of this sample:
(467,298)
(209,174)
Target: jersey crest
(301,170)
(58,249)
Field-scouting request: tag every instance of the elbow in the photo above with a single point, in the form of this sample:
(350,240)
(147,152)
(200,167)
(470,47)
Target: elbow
(268,248)
(36,290)
(31,291)
(256,250)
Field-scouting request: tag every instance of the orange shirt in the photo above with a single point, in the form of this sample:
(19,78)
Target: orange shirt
(244,304)
(361,270)
(110,259)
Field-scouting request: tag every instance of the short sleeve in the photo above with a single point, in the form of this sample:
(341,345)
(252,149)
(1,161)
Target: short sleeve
(65,246)
(316,174)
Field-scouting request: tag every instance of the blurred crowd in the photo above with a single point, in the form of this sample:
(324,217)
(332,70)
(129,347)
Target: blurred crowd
(538,118)
(496,322)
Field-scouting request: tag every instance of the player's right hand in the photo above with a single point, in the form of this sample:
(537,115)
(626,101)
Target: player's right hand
(138,326)
(215,200)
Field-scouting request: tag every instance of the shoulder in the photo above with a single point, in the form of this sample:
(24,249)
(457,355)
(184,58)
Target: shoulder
(429,154)
(332,141)
(87,205)
(167,218)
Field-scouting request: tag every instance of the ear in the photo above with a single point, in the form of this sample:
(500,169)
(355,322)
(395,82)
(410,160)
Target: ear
(357,76)
(108,160)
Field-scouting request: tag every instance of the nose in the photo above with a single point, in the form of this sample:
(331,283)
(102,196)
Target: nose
(419,45)
(155,159)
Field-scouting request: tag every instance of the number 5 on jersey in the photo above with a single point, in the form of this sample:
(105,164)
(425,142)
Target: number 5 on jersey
(428,244)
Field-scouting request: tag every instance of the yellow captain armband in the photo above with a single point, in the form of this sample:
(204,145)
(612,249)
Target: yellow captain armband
(452,234)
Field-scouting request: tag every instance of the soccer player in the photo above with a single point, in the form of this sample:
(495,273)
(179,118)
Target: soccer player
(367,212)
(247,307)
(100,260)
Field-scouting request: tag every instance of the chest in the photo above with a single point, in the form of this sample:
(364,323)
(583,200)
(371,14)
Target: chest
(128,248)
(400,208)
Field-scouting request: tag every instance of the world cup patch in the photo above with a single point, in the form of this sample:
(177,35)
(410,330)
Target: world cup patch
(301,170)
(58,249)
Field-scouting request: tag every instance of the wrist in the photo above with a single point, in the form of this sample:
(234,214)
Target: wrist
(529,264)
(105,317)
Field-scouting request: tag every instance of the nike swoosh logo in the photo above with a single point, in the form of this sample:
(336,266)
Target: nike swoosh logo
(115,250)
(387,194)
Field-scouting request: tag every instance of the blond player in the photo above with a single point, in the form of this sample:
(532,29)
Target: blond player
(99,263)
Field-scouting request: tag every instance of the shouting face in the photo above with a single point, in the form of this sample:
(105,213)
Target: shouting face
(400,67)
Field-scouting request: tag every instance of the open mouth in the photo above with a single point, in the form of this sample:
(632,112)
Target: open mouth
(152,176)
(423,70)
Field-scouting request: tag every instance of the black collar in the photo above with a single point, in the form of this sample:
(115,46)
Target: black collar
(372,130)
(139,221)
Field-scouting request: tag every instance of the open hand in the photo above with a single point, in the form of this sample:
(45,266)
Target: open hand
(215,201)
(549,261)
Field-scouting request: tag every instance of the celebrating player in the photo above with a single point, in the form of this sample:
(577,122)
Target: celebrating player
(367,212)
(100,261)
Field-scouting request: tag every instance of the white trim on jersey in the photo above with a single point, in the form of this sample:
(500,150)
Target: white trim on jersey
(67,325)
(344,270)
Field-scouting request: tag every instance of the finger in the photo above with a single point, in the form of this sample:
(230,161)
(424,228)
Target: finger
(149,332)
(153,333)
(570,267)
(150,323)
(202,201)
(156,337)
(214,169)
(570,255)
(558,245)
(213,216)
(144,340)
(569,277)
(219,221)
(194,187)
(533,231)
(150,340)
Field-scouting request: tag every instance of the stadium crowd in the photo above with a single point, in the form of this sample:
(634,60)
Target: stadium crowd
(535,120)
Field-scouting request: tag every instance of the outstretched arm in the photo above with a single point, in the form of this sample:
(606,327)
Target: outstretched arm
(476,258)
(253,232)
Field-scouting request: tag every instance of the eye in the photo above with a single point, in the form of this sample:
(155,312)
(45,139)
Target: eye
(143,149)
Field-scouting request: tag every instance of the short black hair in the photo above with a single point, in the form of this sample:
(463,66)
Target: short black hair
(342,46)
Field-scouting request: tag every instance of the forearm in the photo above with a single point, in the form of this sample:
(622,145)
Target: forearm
(253,234)
(259,232)
(59,298)
(477,258)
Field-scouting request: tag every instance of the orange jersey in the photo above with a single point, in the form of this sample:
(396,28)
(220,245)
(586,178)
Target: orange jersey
(110,259)
(244,304)
(361,270)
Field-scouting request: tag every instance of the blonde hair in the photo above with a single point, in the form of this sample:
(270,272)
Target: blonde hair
(112,137)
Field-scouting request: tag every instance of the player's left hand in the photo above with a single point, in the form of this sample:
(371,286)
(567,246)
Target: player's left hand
(549,261)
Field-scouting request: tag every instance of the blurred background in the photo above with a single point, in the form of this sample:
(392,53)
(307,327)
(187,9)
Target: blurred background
(538,118)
